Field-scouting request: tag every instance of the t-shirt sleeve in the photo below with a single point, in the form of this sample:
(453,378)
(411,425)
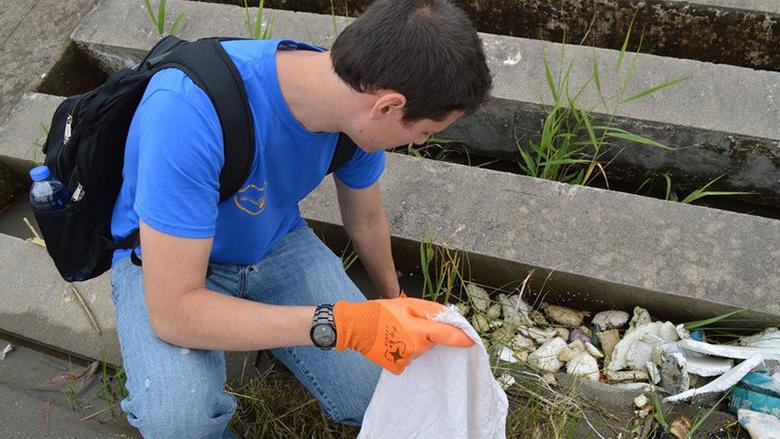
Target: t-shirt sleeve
(179,162)
(363,169)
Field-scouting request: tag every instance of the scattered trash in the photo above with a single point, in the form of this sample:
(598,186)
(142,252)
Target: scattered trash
(494,311)
(768,338)
(8,348)
(641,401)
(610,319)
(506,354)
(545,359)
(480,323)
(766,350)
(506,380)
(641,317)
(757,391)
(636,346)
(674,374)
(609,339)
(626,375)
(479,297)
(565,316)
(759,425)
(571,350)
(593,350)
(648,356)
(583,365)
(514,309)
(722,383)
(680,427)
(582,333)
(537,318)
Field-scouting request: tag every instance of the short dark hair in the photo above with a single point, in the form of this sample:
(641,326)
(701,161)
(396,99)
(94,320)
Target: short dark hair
(426,50)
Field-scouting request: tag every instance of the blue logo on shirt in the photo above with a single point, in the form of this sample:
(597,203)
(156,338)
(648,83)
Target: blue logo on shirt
(251,199)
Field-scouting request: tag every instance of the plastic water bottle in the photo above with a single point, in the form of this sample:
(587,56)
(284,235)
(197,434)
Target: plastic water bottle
(47,193)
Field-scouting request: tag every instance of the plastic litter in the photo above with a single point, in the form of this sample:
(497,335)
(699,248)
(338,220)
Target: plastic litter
(8,348)
(767,351)
(723,382)
(768,338)
(610,319)
(757,391)
(545,359)
(636,346)
(759,425)
(446,392)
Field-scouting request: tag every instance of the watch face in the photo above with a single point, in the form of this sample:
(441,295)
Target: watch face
(323,335)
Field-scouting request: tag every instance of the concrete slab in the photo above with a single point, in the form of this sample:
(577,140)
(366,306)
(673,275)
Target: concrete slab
(23,134)
(738,32)
(32,409)
(28,417)
(33,35)
(724,120)
(37,306)
(605,249)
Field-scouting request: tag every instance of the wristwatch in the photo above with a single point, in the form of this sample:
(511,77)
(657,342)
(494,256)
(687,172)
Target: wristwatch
(323,331)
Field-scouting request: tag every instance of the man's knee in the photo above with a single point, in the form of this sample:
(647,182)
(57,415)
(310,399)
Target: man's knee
(167,410)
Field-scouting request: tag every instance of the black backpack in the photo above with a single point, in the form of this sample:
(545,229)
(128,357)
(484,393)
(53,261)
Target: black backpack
(85,149)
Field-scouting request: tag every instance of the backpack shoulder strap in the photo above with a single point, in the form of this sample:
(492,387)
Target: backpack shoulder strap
(208,65)
(345,149)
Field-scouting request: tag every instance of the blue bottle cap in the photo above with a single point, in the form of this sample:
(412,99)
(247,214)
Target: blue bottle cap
(39,173)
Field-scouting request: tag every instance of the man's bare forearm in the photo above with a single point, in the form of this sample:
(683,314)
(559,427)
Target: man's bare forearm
(204,319)
(373,245)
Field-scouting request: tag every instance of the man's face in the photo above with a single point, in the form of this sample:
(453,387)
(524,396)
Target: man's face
(384,129)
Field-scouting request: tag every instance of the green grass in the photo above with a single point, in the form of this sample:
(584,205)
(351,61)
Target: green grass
(571,146)
(158,19)
(257,28)
(349,256)
(650,183)
(275,405)
(336,29)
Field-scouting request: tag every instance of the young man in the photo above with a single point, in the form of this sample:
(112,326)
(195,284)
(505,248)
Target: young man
(404,70)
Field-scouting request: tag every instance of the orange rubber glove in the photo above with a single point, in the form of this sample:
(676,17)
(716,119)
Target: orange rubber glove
(390,332)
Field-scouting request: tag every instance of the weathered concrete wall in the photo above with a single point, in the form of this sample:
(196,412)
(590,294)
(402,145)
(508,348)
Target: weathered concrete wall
(33,35)
(607,249)
(738,32)
(723,121)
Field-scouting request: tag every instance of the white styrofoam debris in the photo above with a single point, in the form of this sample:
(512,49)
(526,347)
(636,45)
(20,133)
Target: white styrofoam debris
(738,352)
(545,358)
(610,319)
(722,383)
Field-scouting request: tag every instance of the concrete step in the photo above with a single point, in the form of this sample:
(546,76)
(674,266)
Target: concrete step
(31,408)
(33,35)
(608,249)
(724,120)
(737,32)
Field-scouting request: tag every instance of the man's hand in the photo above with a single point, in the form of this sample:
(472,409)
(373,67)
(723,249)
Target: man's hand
(390,332)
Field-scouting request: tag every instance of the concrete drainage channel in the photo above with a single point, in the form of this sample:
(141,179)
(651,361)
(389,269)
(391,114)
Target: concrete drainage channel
(598,249)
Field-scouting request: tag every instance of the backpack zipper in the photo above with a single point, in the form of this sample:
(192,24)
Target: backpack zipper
(68,129)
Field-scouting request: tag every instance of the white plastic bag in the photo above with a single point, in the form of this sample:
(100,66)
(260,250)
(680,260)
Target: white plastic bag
(447,392)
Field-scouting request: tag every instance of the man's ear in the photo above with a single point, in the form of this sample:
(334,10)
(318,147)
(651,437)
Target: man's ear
(387,103)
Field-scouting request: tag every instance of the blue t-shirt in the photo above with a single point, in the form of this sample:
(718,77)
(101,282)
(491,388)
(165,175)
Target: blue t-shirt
(174,156)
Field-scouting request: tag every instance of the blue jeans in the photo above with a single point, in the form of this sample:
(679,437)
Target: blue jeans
(178,393)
